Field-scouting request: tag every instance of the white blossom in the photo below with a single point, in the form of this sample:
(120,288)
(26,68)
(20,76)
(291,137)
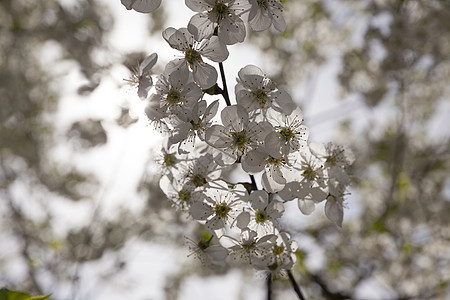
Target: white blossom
(277,256)
(289,135)
(237,135)
(248,246)
(221,14)
(176,94)
(262,217)
(182,196)
(205,75)
(256,92)
(220,207)
(141,76)
(195,124)
(206,252)
(201,172)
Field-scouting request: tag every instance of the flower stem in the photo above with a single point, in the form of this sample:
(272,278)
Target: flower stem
(269,286)
(224,83)
(254,186)
(295,285)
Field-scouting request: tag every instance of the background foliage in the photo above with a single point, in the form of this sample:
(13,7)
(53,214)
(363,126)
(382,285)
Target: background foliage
(392,62)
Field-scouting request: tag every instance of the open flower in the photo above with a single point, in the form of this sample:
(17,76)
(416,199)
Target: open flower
(221,14)
(277,256)
(262,217)
(141,76)
(289,135)
(237,135)
(195,124)
(248,246)
(256,92)
(205,75)
(176,94)
(220,207)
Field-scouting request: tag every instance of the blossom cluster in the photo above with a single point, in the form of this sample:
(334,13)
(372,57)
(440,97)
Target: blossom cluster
(262,135)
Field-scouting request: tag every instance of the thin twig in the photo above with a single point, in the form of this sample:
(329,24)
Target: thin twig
(224,83)
(269,286)
(295,285)
(254,186)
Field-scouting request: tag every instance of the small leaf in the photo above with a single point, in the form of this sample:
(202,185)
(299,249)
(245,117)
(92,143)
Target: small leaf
(40,297)
(6,294)
(214,90)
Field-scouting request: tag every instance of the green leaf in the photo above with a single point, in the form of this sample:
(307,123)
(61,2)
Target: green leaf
(12,295)
(6,294)
(40,297)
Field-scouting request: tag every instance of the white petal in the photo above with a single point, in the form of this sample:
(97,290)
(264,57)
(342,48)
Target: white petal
(273,144)
(201,27)
(215,50)
(145,84)
(199,5)
(306,206)
(270,185)
(232,30)
(259,200)
(242,220)
(201,211)
(178,40)
(148,63)
(217,137)
(275,209)
(290,191)
(204,75)
(334,211)
(259,18)
(234,116)
(217,253)
(278,20)
(282,102)
(211,111)
(253,162)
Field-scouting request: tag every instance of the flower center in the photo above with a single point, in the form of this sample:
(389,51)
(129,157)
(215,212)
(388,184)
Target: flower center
(310,173)
(260,97)
(277,250)
(221,10)
(203,243)
(191,56)
(260,216)
(240,139)
(222,210)
(263,4)
(274,161)
(196,126)
(173,97)
(287,133)
(273,266)
(170,160)
(184,195)
(198,180)
(333,159)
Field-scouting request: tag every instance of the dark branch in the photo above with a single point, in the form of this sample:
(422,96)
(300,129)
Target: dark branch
(295,285)
(224,83)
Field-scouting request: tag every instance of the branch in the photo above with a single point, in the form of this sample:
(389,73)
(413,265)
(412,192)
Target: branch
(295,285)
(269,286)
(224,83)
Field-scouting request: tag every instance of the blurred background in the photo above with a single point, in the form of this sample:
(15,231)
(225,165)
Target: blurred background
(81,212)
